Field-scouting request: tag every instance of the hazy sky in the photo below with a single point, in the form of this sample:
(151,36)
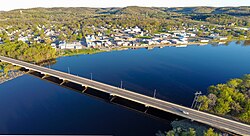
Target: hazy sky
(16,4)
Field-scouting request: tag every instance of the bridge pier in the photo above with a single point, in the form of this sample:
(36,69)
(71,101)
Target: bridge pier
(45,76)
(112,98)
(147,106)
(85,88)
(112,94)
(27,71)
(146,110)
(63,82)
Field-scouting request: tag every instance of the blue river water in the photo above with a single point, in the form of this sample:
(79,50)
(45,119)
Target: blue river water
(29,105)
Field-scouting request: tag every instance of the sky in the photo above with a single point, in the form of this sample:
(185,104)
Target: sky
(20,4)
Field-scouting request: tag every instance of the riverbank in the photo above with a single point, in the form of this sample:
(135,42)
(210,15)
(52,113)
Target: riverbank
(62,53)
(188,127)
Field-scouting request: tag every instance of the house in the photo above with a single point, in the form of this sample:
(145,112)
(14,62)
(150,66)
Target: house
(98,43)
(141,33)
(223,38)
(88,41)
(119,43)
(149,42)
(23,39)
(36,38)
(53,45)
(183,39)
(127,30)
(126,44)
(213,36)
(136,29)
(107,43)
(165,42)
(204,41)
(62,45)
(74,45)
(78,47)
(191,34)
(176,41)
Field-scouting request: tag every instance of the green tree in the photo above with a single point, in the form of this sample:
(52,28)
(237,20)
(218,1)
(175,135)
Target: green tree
(210,132)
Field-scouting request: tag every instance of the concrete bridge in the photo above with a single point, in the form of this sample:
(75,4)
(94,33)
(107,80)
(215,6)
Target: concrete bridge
(199,116)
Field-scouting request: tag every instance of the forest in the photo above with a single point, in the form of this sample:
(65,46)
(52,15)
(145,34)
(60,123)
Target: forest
(231,99)
(191,132)
(35,53)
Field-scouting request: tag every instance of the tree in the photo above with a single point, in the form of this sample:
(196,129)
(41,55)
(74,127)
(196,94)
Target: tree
(233,83)
(204,102)
(213,99)
(222,107)
(192,132)
(210,132)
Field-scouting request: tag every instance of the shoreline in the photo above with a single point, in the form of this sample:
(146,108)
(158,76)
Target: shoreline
(95,51)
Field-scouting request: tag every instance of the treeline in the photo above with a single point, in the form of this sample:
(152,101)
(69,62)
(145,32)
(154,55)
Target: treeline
(30,53)
(191,132)
(231,98)
(222,19)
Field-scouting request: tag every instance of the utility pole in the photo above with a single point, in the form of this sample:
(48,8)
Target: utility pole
(199,107)
(121,83)
(194,100)
(154,93)
(49,64)
(68,70)
(197,94)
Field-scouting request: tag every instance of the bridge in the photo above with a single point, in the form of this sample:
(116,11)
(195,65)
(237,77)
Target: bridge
(147,101)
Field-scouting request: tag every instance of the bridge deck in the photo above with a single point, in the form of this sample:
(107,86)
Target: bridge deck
(199,116)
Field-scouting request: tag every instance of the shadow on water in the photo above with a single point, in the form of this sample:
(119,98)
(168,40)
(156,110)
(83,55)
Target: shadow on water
(131,105)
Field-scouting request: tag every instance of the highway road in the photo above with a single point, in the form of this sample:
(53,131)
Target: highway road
(199,116)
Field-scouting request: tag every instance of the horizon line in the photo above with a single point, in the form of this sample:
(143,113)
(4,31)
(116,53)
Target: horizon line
(121,7)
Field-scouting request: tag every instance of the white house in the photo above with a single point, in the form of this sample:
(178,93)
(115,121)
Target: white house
(88,41)
(53,45)
(78,47)
(222,38)
(23,39)
(136,29)
(74,45)
(62,45)
(204,41)
(165,42)
(127,30)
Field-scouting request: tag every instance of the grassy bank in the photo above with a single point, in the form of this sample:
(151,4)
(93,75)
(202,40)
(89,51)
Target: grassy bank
(78,52)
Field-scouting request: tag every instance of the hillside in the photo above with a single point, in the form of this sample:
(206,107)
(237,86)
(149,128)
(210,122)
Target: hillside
(134,10)
(237,11)
(214,15)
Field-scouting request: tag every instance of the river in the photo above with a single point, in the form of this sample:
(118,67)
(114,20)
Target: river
(29,105)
